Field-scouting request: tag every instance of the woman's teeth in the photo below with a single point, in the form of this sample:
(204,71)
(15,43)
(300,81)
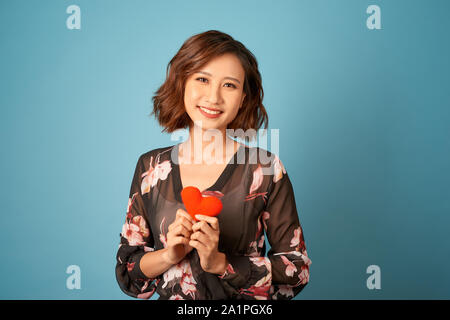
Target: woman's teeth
(210,111)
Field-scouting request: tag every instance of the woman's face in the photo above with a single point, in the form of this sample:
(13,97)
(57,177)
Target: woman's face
(218,86)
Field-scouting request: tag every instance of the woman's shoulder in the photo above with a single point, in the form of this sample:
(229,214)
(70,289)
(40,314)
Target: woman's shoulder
(269,163)
(156,155)
(261,156)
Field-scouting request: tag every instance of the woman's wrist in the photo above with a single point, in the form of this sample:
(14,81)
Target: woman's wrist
(154,263)
(221,265)
(165,257)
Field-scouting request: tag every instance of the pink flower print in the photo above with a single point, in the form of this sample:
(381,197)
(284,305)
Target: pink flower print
(133,234)
(228,271)
(256,195)
(261,261)
(176,297)
(140,222)
(290,269)
(296,238)
(254,245)
(147,295)
(303,256)
(181,271)
(266,216)
(187,282)
(130,202)
(162,235)
(130,266)
(135,228)
(209,193)
(304,274)
(260,290)
(261,241)
(285,290)
(306,258)
(279,169)
(171,274)
(254,249)
(152,175)
(257,179)
(256,183)
(146,283)
(259,227)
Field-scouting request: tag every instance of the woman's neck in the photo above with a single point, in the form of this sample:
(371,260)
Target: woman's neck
(207,147)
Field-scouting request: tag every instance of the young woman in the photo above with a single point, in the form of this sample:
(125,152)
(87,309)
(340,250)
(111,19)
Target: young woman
(212,85)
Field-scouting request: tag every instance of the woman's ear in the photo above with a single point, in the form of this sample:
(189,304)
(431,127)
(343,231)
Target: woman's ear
(242,100)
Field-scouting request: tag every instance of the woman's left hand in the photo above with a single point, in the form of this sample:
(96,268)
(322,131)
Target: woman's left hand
(205,238)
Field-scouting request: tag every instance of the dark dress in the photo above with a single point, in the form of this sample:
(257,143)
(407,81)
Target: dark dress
(258,201)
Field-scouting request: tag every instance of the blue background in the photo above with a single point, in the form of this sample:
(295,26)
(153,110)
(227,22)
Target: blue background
(364,129)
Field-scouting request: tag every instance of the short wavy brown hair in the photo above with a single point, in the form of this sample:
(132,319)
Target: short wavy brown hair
(197,51)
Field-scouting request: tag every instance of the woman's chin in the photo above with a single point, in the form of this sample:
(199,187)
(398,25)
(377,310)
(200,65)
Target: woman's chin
(205,125)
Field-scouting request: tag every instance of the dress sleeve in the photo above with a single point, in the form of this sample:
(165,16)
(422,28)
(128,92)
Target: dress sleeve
(135,240)
(285,270)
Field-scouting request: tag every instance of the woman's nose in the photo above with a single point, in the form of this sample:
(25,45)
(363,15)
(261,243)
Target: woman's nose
(214,94)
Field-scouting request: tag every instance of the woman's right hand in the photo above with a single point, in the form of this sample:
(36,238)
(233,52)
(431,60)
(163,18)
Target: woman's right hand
(178,237)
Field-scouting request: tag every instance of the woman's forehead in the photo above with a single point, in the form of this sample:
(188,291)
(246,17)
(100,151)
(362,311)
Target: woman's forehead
(224,67)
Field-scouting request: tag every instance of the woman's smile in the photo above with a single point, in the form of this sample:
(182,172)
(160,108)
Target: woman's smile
(210,113)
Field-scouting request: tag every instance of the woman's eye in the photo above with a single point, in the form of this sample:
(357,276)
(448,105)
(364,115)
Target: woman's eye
(201,79)
(232,85)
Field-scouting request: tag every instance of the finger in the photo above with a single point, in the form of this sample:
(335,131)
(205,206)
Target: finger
(208,240)
(179,230)
(198,245)
(201,237)
(173,225)
(179,240)
(183,213)
(187,223)
(180,220)
(212,221)
(204,227)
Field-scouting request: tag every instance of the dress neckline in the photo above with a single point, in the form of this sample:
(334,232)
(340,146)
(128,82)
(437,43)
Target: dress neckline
(216,186)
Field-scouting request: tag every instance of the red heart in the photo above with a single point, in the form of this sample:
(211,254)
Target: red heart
(195,203)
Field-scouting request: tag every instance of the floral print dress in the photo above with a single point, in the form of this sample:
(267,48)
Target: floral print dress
(258,202)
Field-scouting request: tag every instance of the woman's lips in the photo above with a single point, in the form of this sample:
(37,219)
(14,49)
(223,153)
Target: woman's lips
(209,108)
(210,113)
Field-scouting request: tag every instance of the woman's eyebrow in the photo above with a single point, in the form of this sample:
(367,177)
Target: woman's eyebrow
(209,74)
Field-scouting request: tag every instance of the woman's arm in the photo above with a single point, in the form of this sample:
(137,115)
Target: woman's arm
(136,242)
(285,270)
(155,263)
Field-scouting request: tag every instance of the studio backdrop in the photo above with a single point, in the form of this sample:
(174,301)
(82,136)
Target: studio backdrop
(358,91)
